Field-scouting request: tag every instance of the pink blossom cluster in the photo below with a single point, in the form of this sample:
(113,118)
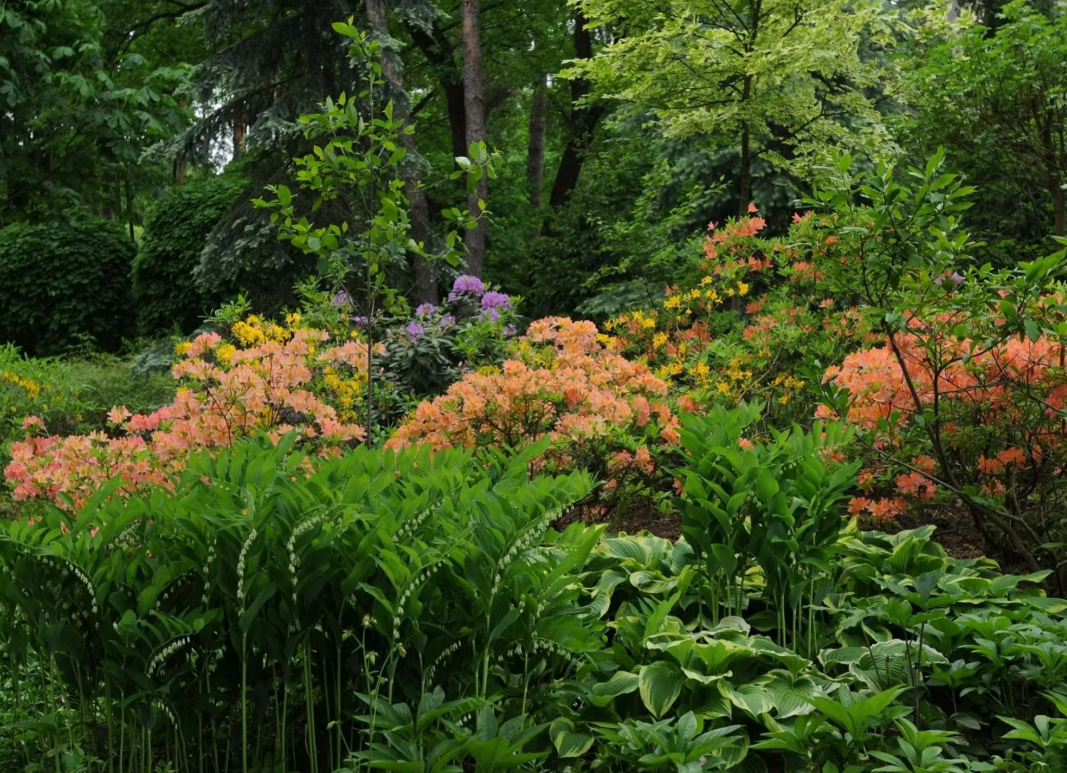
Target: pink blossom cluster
(225,394)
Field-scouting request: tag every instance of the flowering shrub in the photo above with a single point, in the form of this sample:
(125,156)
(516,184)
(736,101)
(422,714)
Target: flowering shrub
(599,410)
(735,331)
(963,395)
(998,408)
(69,396)
(272,380)
(429,350)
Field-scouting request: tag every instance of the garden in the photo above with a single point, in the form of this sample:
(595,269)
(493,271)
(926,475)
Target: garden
(337,437)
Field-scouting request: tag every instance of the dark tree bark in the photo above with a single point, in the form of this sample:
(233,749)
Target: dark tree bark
(239,134)
(474,102)
(439,52)
(535,149)
(583,121)
(425,286)
(1059,207)
(744,186)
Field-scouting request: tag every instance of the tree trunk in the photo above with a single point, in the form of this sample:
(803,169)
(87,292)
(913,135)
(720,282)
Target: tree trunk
(439,52)
(129,211)
(474,103)
(455,103)
(425,286)
(535,149)
(744,192)
(583,121)
(239,133)
(1059,225)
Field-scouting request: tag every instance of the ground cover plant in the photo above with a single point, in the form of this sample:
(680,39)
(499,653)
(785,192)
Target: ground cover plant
(278,612)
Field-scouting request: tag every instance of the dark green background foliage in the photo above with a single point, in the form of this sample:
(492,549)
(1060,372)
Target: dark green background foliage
(167,297)
(61,282)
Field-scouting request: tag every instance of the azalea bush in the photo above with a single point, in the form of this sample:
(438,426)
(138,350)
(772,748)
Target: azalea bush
(600,411)
(272,380)
(70,395)
(963,396)
(745,324)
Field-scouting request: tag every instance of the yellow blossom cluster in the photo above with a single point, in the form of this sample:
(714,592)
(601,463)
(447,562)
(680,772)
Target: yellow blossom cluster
(28,385)
(347,391)
(254,331)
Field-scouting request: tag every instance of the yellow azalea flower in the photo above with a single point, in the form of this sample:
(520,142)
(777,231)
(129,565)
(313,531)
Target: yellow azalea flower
(649,323)
(225,353)
(784,399)
(246,334)
(674,302)
(729,292)
(723,387)
(602,338)
(705,281)
(712,296)
(183,348)
(659,340)
(742,288)
(701,370)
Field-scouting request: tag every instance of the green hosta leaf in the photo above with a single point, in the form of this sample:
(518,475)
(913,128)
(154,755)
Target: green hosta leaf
(569,742)
(621,683)
(846,655)
(623,548)
(753,698)
(660,684)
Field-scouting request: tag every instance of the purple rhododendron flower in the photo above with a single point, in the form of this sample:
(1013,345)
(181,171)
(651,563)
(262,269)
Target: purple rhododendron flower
(955,277)
(491,314)
(466,284)
(425,310)
(415,330)
(448,320)
(510,330)
(495,300)
(359,321)
(340,299)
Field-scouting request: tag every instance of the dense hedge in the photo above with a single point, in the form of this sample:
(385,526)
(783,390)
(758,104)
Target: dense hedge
(167,297)
(63,282)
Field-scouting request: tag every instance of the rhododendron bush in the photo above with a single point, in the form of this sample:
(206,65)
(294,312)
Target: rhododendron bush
(272,380)
(600,410)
